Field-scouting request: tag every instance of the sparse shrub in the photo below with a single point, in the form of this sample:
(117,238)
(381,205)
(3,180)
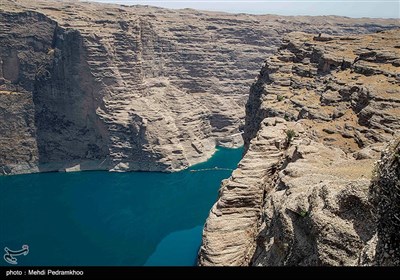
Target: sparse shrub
(303,213)
(280,97)
(290,134)
(286,117)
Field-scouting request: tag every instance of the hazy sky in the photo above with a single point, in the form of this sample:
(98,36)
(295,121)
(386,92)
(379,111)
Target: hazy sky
(353,8)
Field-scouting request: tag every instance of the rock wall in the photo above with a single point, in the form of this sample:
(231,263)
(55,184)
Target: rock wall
(385,190)
(95,86)
(317,118)
(52,84)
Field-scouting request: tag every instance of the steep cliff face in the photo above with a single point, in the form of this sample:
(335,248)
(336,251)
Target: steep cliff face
(45,71)
(385,190)
(317,119)
(93,86)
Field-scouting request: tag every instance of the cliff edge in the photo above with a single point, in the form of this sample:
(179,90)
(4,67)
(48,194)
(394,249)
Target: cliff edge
(319,115)
(385,193)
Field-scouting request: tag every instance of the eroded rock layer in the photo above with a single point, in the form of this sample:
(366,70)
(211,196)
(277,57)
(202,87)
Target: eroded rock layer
(95,86)
(317,119)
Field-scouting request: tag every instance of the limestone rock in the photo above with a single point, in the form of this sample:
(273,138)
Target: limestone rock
(385,191)
(121,88)
(233,221)
(319,212)
(340,104)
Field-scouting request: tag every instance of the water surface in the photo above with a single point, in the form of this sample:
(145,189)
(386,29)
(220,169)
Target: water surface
(103,218)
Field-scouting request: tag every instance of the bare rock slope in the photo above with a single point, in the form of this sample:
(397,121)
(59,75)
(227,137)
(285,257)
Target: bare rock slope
(96,86)
(317,119)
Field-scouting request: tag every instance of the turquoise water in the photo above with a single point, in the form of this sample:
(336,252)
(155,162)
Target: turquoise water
(103,218)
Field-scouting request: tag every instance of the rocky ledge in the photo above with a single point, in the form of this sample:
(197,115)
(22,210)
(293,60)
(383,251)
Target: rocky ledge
(86,86)
(320,113)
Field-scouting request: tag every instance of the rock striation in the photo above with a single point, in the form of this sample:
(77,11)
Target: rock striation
(318,117)
(88,86)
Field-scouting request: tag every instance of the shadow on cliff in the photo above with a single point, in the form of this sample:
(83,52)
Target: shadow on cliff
(68,130)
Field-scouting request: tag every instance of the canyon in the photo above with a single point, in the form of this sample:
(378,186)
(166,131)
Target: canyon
(89,86)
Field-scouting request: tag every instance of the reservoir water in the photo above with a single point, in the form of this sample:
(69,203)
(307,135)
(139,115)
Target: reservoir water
(111,219)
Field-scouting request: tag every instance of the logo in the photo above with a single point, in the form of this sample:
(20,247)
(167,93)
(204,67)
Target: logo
(9,256)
